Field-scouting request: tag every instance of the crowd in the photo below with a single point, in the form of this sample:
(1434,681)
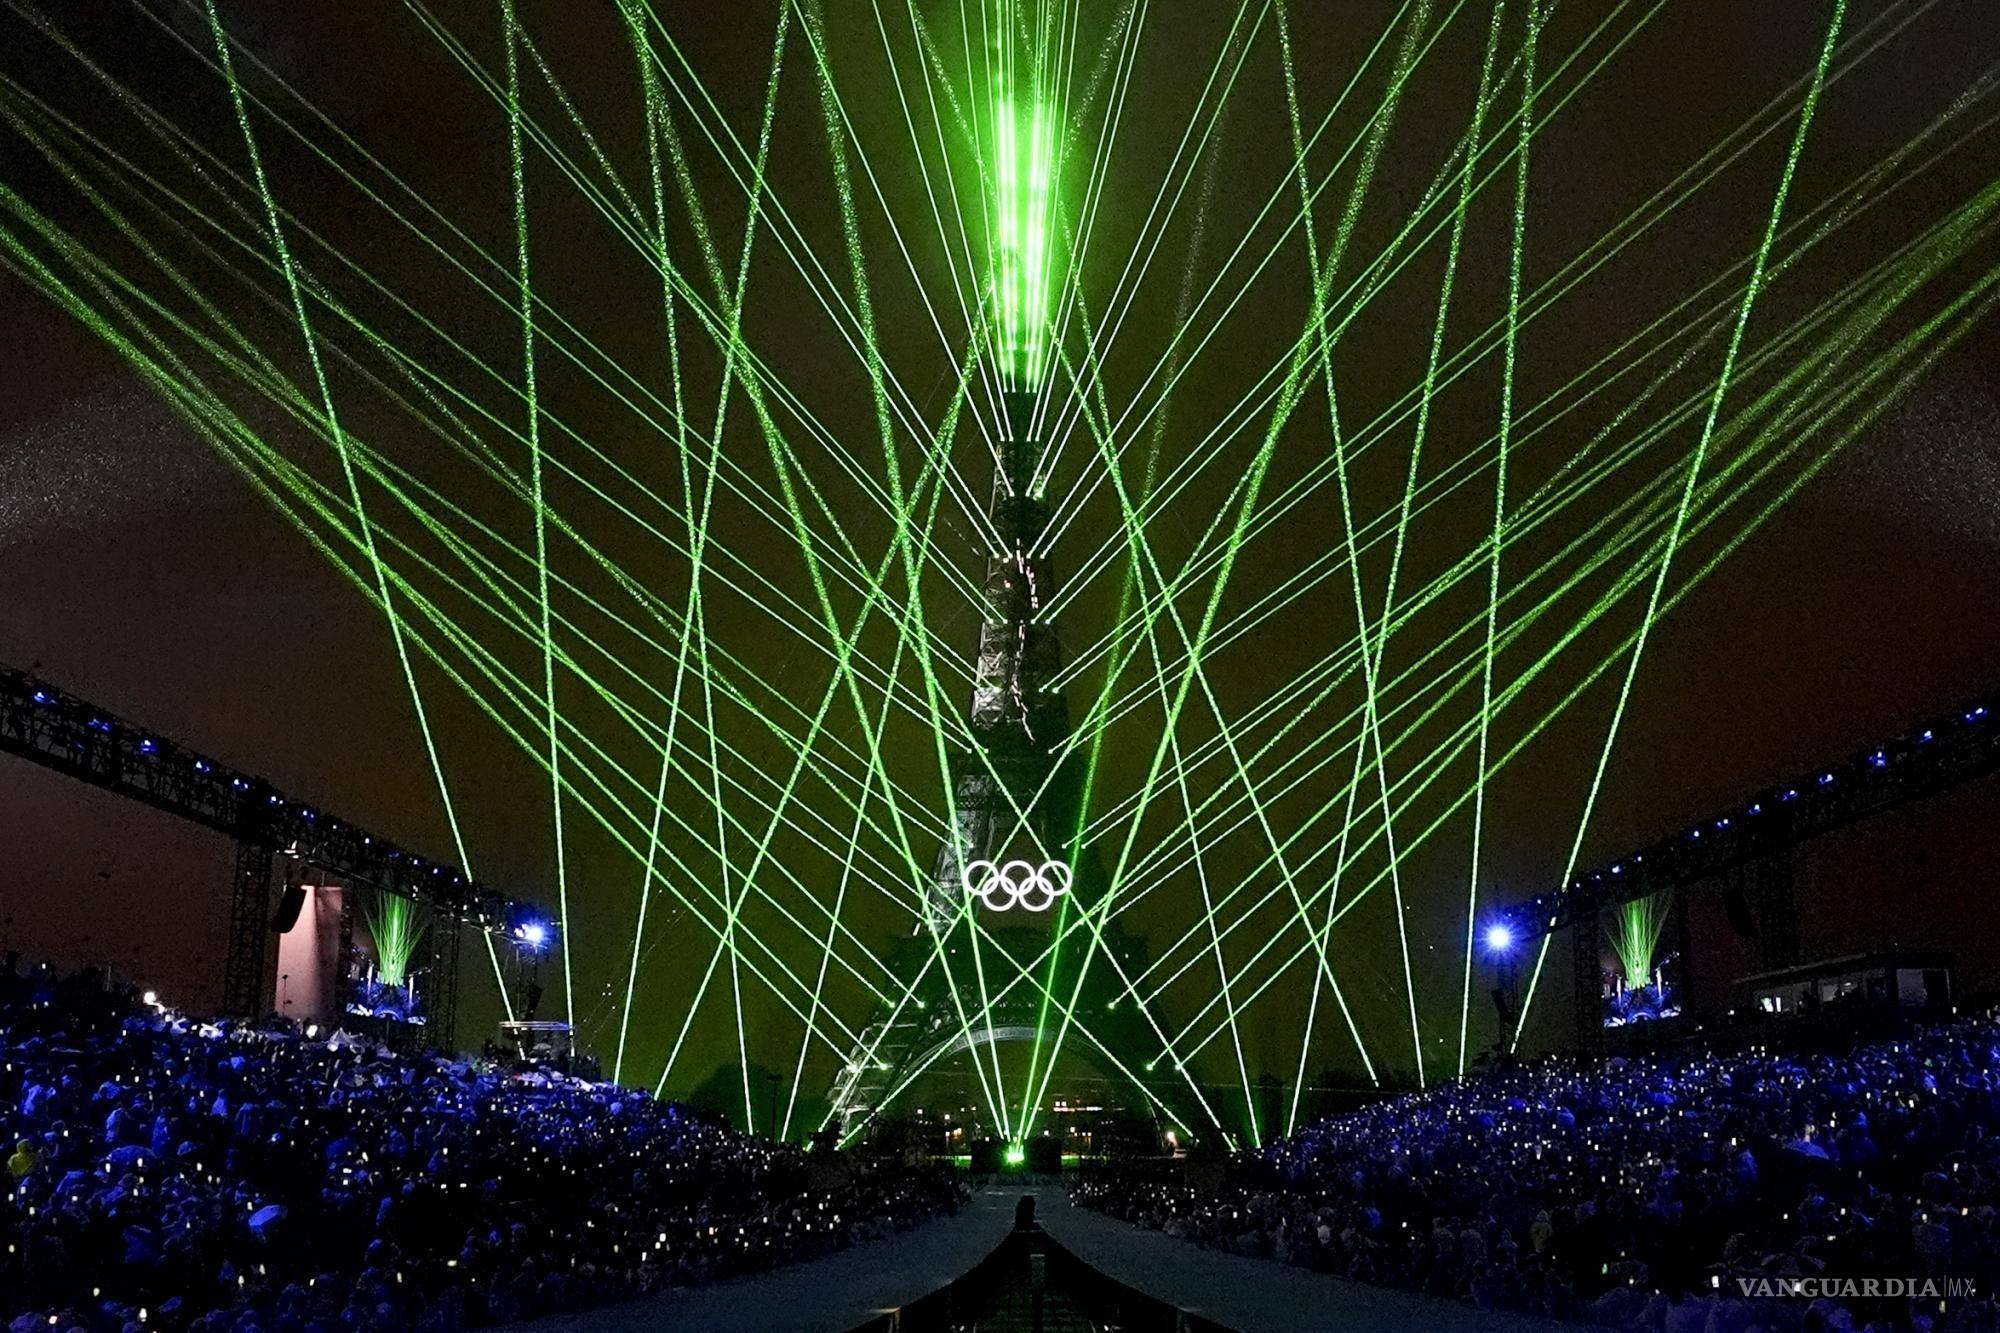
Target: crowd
(165,1174)
(1693,1193)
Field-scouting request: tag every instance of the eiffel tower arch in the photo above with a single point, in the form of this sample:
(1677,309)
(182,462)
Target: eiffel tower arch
(1014,871)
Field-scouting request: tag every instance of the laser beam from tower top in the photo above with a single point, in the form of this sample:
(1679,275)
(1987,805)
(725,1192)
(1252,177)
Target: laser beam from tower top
(1024,184)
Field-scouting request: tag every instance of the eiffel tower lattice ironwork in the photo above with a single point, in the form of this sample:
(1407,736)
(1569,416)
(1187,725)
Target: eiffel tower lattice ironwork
(1014,806)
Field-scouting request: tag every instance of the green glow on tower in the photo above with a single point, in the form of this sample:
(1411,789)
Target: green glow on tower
(1024,141)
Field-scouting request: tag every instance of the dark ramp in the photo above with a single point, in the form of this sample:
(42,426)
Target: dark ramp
(1031,1284)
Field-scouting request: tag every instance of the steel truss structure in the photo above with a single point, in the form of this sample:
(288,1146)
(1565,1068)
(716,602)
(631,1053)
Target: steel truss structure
(1746,849)
(60,731)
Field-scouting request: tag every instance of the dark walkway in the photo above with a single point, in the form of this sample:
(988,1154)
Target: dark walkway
(1260,1295)
(830,1295)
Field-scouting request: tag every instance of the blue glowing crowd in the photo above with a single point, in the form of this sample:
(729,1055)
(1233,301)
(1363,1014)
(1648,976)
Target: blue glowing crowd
(165,1174)
(1692,1193)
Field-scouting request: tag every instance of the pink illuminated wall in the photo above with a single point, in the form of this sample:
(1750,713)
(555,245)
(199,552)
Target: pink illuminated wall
(306,983)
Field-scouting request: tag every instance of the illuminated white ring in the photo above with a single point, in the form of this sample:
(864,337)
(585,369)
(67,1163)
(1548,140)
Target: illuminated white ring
(1025,878)
(1052,878)
(982,878)
(1017,884)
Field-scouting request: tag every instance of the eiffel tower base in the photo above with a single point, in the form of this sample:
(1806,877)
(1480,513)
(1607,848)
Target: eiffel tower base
(936,1028)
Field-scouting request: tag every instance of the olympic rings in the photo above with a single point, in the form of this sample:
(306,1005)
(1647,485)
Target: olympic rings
(1017,883)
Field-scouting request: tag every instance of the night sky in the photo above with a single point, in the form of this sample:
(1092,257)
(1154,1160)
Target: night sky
(141,570)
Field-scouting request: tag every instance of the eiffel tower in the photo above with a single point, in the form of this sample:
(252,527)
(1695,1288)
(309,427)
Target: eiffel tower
(1016,816)
(1007,812)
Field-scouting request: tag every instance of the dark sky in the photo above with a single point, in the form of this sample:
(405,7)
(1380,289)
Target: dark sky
(143,571)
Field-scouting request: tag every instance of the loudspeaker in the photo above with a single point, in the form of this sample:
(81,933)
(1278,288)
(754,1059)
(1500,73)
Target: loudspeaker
(1045,1155)
(985,1156)
(289,906)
